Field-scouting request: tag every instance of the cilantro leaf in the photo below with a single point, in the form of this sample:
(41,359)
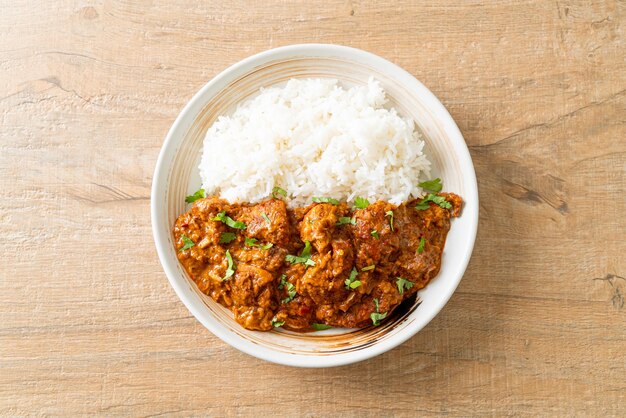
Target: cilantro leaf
(304,257)
(403,284)
(276,323)
(291,289)
(374,233)
(251,242)
(320,327)
(325,200)
(390,214)
(432,185)
(291,292)
(222,217)
(351,282)
(227,237)
(278,191)
(306,251)
(283,281)
(361,203)
(188,243)
(423,205)
(266,218)
(231,266)
(368,268)
(199,194)
(355,284)
(293,259)
(420,247)
(344,220)
(376,317)
(439,200)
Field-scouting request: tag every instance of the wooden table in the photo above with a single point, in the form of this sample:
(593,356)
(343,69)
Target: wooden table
(90,325)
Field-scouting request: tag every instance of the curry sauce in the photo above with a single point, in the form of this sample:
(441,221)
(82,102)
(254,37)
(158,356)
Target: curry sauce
(312,267)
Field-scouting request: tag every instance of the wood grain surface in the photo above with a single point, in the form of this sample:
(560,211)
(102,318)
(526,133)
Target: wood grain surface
(90,325)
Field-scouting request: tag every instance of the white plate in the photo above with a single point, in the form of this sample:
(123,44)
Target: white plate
(176,175)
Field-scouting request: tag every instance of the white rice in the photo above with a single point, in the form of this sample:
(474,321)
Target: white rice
(314,138)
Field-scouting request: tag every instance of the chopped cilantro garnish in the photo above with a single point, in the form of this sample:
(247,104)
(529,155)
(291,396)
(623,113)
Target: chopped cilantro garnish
(278,191)
(422,205)
(276,323)
(403,284)
(291,292)
(266,218)
(420,247)
(344,220)
(374,233)
(320,327)
(227,237)
(325,200)
(291,289)
(390,214)
(361,203)
(251,242)
(376,317)
(351,282)
(188,243)
(231,266)
(222,217)
(199,194)
(304,257)
(368,268)
(439,200)
(432,185)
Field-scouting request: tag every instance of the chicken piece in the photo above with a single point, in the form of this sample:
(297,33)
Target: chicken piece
(422,235)
(373,236)
(253,297)
(319,224)
(295,309)
(271,259)
(267,222)
(325,281)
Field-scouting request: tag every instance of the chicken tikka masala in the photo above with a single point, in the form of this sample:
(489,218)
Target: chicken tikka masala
(315,267)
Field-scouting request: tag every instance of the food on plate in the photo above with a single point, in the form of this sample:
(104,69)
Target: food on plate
(286,235)
(314,267)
